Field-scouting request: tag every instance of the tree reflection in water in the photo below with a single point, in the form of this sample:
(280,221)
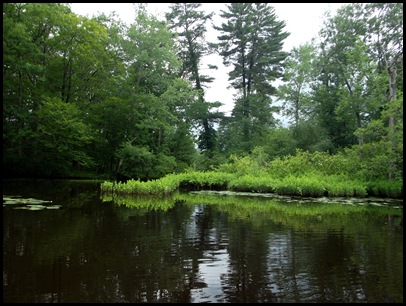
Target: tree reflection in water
(198,248)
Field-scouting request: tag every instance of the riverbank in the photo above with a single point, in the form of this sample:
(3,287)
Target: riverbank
(310,185)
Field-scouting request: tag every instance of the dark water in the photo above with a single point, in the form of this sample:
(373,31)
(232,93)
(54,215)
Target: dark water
(197,248)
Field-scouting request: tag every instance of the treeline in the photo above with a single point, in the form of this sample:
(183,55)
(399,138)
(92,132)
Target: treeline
(93,97)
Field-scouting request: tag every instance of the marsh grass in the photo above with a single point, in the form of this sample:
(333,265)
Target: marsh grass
(313,185)
(383,188)
(306,174)
(252,183)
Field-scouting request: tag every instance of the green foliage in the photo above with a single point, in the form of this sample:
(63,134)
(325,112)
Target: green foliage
(252,183)
(296,93)
(161,186)
(280,142)
(58,56)
(371,161)
(135,159)
(345,189)
(190,25)
(238,165)
(62,137)
(91,96)
(204,180)
(254,163)
(305,174)
(151,52)
(204,161)
(307,186)
(360,96)
(311,136)
(251,41)
(170,182)
(141,202)
(295,165)
(354,163)
(385,188)
(300,212)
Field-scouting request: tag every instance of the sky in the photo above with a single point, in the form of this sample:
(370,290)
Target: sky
(303,21)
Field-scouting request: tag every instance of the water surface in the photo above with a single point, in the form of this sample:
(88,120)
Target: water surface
(198,248)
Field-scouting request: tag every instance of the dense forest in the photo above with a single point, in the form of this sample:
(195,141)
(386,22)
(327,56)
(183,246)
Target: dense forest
(95,98)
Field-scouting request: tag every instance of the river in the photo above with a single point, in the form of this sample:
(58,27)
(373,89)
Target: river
(197,247)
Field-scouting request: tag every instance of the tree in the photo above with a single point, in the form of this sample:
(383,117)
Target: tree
(34,45)
(251,40)
(361,92)
(63,137)
(155,101)
(296,92)
(385,22)
(190,25)
(338,35)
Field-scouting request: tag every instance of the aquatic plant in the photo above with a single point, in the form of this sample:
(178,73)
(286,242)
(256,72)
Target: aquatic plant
(28,203)
(305,174)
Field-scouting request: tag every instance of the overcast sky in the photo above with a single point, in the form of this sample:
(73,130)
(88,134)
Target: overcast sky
(303,21)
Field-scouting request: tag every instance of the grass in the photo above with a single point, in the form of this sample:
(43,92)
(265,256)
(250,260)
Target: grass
(311,185)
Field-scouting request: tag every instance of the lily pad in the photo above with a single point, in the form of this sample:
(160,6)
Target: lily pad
(12,200)
(36,206)
(30,207)
(7,200)
(53,207)
(28,203)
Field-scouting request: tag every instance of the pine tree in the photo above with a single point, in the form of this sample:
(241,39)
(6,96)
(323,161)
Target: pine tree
(251,41)
(190,25)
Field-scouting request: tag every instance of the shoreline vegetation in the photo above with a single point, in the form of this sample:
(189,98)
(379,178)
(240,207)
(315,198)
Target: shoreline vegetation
(305,174)
(250,204)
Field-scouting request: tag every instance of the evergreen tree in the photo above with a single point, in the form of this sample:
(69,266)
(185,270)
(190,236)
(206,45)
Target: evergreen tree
(251,41)
(190,25)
